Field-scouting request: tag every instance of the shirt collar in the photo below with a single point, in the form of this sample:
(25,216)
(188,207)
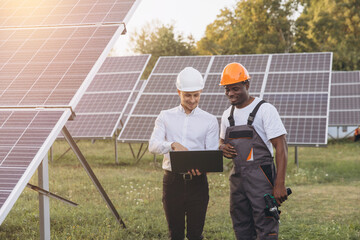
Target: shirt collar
(181,109)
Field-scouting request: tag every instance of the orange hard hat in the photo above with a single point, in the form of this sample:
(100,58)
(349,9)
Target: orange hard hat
(234,73)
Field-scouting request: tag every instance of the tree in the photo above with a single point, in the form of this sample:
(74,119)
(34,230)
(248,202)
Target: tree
(255,26)
(334,28)
(161,41)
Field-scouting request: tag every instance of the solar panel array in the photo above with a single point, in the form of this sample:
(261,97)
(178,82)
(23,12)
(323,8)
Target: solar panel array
(112,90)
(297,84)
(50,51)
(345,99)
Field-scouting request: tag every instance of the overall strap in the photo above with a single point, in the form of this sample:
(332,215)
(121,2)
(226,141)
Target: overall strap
(231,117)
(253,113)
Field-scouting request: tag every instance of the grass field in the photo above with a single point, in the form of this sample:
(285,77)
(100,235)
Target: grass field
(325,203)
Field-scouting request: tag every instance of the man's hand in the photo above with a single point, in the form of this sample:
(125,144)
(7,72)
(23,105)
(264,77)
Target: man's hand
(280,193)
(178,147)
(195,172)
(228,150)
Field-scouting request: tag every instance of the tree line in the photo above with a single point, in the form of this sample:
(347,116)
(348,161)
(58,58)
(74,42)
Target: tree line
(266,26)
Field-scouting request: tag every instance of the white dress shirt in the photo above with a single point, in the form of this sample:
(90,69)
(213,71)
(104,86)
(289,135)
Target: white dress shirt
(198,130)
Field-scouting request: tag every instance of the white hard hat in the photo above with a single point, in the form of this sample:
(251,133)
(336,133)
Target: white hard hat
(189,80)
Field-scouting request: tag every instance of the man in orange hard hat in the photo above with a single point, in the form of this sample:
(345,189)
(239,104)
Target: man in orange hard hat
(185,127)
(249,130)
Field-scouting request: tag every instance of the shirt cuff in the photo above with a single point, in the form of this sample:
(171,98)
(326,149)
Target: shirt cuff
(167,146)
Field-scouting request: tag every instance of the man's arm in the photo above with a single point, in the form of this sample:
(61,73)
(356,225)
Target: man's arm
(158,143)
(212,135)
(228,150)
(280,146)
(178,147)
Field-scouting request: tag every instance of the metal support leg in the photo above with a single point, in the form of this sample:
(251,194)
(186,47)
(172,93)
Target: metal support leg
(67,150)
(51,154)
(139,154)
(44,203)
(296,157)
(143,153)
(331,136)
(350,133)
(141,146)
(91,174)
(132,151)
(49,194)
(116,151)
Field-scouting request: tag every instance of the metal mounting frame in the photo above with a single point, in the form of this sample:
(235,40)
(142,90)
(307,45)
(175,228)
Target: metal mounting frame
(92,175)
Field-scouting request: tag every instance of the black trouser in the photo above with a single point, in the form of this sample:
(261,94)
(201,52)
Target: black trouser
(185,198)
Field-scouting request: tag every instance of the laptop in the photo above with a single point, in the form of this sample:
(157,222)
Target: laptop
(204,160)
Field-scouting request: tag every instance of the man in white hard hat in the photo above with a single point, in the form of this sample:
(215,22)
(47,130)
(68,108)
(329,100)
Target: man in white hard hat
(185,127)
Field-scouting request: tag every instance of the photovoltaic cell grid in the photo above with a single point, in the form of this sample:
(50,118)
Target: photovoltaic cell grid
(48,66)
(50,51)
(345,99)
(102,106)
(20,13)
(159,93)
(25,136)
(297,84)
(136,94)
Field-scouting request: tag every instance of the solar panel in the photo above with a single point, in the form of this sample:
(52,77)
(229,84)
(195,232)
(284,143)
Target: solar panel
(138,90)
(25,137)
(104,102)
(297,84)
(345,99)
(300,62)
(50,52)
(49,75)
(174,65)
(15,13)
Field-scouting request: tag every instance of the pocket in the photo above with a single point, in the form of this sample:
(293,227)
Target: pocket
(268,173)
(241,134)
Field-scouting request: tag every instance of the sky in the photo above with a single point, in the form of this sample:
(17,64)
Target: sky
(187,17)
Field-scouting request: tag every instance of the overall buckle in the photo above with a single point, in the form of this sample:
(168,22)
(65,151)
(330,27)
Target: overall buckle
(187,176)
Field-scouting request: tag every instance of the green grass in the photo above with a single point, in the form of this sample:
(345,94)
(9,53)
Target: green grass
(324,203)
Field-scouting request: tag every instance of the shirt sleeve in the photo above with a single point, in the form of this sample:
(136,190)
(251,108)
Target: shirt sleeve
(273,125)
(223,126)
(212,136)
(158,143)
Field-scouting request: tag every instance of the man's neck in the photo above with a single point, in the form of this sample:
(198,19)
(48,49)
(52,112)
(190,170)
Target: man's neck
(186,110)
(246,103)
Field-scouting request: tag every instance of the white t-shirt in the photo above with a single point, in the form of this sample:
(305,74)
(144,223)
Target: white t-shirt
(267,122)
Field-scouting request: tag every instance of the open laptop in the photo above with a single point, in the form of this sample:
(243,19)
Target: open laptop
(204,160)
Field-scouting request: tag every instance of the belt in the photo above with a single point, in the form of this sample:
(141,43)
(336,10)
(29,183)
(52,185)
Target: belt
(185,176)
